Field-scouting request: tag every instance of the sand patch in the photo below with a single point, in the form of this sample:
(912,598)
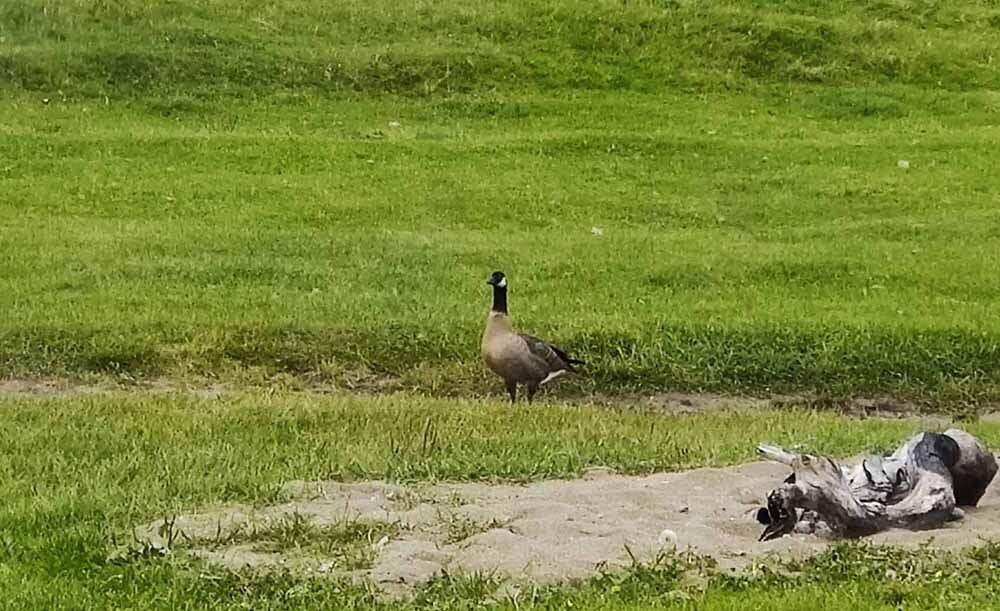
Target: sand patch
(544,532)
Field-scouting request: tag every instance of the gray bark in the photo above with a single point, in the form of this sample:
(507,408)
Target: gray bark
(921,485)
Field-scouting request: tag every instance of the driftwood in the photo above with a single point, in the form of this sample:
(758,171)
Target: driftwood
(921,485)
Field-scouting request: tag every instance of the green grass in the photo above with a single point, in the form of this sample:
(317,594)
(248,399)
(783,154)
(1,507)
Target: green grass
(200,48)
(221,190)
(304,193)
(350,544)
(458,527)
(79,473)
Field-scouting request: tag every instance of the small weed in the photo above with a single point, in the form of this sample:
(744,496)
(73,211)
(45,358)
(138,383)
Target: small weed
(351,545)
(459,527)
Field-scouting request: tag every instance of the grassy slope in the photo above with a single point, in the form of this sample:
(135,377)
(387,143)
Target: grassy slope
(77,473)
(215,188)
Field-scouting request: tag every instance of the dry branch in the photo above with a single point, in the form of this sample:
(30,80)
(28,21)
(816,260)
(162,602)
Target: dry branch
(921,485)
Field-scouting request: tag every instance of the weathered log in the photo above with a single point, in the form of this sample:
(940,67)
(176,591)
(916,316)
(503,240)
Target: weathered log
(921,485)
(974,470)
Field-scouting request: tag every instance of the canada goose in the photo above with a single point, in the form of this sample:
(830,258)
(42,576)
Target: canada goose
(516,357)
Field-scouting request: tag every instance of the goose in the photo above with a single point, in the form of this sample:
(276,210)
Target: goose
(519,358)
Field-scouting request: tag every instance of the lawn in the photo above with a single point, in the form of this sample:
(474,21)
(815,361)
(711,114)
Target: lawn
(78,473)
(169,211)
(749,198)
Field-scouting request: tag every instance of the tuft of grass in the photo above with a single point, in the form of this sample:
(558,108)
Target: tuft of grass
(350,544)
(459,528)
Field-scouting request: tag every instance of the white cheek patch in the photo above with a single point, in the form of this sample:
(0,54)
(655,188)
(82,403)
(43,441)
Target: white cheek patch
(502,284)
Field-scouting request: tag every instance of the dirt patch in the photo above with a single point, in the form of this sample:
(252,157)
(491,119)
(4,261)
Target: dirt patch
(684,403)
(14,387)
(661,402)
(858,407)
(545,532)
(65,387)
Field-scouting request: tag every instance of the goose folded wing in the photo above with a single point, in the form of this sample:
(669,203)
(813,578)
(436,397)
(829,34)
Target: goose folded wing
(555,358)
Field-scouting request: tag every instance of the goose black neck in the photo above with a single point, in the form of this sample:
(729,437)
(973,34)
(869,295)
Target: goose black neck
(500,299)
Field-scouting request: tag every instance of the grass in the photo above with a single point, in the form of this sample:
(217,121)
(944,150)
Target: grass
(349,544)
(127,46)
(459,527)
(78,473)
(327,204)
(689,195)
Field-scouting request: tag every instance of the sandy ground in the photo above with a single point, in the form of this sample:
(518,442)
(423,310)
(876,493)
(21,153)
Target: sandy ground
(547,532)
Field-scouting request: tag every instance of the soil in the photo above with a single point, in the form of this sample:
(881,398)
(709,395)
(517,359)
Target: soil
(663,402)
(545,532)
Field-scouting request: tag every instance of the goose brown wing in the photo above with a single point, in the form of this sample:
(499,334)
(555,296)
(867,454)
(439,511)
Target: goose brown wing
(555,358)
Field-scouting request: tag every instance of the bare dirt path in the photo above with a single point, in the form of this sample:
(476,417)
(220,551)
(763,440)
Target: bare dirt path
(666,402)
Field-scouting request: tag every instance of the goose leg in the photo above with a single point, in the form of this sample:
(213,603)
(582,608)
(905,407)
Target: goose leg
(512,391)
(532,389)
